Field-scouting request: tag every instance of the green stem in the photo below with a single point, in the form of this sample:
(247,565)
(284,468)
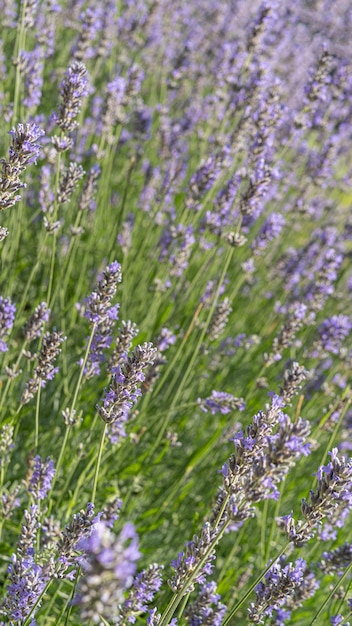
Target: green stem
(331,594)
(253,586)
(190,368)
(37,420)
(97,468)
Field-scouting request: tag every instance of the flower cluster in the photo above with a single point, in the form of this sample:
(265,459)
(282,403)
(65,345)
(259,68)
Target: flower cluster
(24,150)
(45,369)
(102,315)
(124,390)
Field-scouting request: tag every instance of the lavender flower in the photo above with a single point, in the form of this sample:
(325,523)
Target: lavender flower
(73,174)
(206,610)
(280,584)
(27,581)
(142,592)
(24,150)
(334,486)
(262,459)
(102,315)
(126,334)
(331,336)
(124,389)
(34,325)
(336,560)
(79,528)
(270,230)
(73,88)
(87,198)
(31,67)
(161,343)
(111,512)
(293,378)
(219,319)
(187,565)
(7,318)
(45,369)
(41,479)
(6,444)
(221,402)
(108,564)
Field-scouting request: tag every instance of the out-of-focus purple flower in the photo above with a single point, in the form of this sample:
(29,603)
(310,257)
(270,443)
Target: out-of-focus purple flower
(219,319)
(331,335)
(41,479)
(34,325)
(221,402)
(31,66)
(45,369)
(7,318)
(270,230)
(109,564)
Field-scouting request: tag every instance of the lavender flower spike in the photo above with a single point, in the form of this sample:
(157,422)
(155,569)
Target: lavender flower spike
(73,88)
(103,315)
(41,479)
(23,151)
(7,318)
(45,369)
(332,493)
(124,390)
(280,584)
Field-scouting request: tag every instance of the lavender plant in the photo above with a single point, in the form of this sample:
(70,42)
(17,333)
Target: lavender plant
(188,166)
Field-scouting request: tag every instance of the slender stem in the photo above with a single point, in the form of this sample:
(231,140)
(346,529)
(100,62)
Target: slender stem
(81,374)
(190,368)
(73,405)
(97,468)
(10,380)
(37,420)
(331,594)
(252,587)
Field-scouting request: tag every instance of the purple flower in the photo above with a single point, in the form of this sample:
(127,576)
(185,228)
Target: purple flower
(27,580)
(142,592)
(34,325)
(206,608)
(270,230)
(124,389)
(100,312)
(332,334)
(73,88)
(221,402)
(108,564)
(31,67)
(23,151)
(45,369)
(41,479)
(7,318)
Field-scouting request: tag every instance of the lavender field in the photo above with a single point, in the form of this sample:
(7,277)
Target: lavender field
(175,312)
